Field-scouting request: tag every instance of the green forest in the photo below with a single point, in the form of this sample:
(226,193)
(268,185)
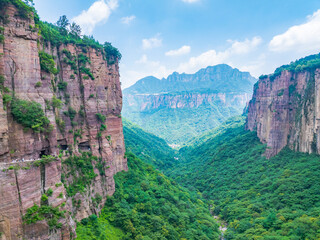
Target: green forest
(260,198)
(222,173)
(148,205)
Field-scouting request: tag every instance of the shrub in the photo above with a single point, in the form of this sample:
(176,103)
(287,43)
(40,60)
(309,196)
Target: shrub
(103,127)
(81,168)
(38,84)
(47,63)
(71,113)
(44,198)
(29,114)
(62,86)
(7,98)
(111,51)
(49,192)
(61,124)
(45,212)
(56,103)
(101,117)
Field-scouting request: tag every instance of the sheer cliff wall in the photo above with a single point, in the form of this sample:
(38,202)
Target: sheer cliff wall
(285,111)
(22,183)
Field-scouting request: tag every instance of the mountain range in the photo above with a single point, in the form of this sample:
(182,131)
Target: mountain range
(183,106)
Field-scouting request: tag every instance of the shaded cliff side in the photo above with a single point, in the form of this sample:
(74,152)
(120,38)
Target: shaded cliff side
(77,89)
(285,107)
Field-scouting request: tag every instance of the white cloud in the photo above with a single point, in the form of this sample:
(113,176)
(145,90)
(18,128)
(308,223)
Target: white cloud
(190,1)
(181,51)
(98,12)
(212,57)
(152,42)
(245,46)
(302,38)
(128,20)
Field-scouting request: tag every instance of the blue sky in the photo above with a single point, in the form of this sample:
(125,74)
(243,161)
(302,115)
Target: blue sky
(157,37)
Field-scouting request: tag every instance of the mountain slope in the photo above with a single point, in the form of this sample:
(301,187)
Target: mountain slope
(259,198)
(148,147)
(148,205)
(185,105)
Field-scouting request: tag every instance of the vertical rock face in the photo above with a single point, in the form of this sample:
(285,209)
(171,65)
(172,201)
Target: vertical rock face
(285,110)
(22,183)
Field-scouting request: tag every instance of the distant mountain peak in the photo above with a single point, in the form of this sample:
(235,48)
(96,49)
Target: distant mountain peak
(221,78)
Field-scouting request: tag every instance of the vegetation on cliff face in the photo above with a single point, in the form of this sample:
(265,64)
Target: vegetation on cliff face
(308,63)
(62,32)
(30,115)
(147,205)
(259,198)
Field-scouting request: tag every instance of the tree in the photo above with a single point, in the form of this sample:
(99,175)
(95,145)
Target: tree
(63,23)
(75,30)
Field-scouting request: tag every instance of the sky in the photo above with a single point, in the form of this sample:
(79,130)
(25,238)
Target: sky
(158,37)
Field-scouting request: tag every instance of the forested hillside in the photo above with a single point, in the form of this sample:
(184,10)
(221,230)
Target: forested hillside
(148,205)
(148,147)
(259,198)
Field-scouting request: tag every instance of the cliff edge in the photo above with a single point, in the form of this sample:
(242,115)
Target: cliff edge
(285,107)
(61,139)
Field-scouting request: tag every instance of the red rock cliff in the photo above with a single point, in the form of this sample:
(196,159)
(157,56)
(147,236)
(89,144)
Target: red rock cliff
(285,111)
(21,182)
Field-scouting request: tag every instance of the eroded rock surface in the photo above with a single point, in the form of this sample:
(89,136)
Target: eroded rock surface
(285,111)
(22,185)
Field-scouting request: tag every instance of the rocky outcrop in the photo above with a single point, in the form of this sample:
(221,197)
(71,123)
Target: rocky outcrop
(150,102)
(22,183)
(285,111)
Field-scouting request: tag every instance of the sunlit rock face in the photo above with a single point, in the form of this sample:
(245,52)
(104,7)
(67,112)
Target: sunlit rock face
(22,183)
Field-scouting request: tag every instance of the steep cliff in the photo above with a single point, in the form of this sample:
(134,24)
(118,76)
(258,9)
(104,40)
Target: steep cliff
(185,105)
(72,92)
(285,107)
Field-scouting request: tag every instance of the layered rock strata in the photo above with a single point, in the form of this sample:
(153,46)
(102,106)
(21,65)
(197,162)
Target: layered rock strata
(21,182)
(285,111)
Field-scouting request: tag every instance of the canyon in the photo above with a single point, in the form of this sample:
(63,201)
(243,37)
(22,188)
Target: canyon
(187,103)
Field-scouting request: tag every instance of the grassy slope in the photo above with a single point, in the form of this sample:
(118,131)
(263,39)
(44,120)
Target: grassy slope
(261,199)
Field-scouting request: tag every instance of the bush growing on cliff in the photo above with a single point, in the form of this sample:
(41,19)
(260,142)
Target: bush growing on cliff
(30,115)
(101,117)
(111,51)
(47,63)
(62,86)
(81,168)
(45,212)
(24,7)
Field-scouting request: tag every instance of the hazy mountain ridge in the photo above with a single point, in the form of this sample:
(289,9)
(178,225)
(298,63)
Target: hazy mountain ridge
(220,78)
(183,106)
